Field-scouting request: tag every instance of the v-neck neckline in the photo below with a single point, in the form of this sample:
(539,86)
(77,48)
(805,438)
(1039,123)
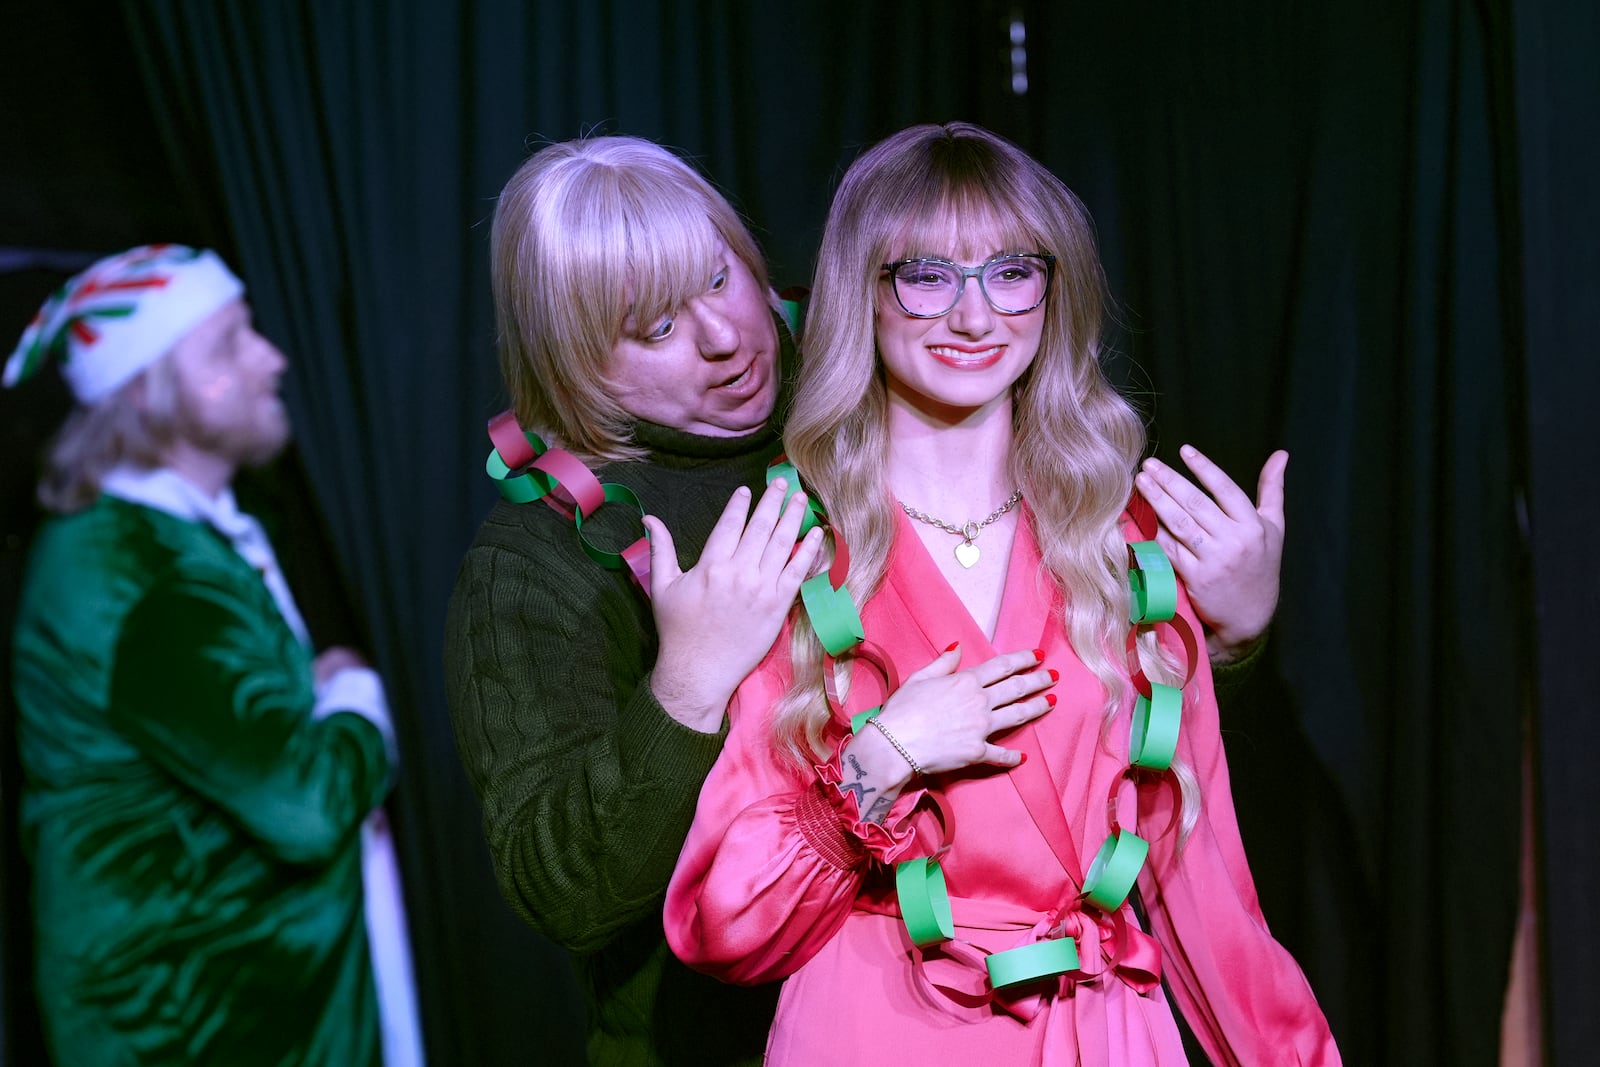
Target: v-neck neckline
(1025,617)
(1024,611)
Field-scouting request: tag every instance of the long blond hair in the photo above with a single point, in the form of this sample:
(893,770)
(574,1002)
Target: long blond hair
(586,233)
(1077,440)
(133,426)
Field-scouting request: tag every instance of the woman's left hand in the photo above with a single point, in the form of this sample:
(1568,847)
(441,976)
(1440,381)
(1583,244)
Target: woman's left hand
(1226,549)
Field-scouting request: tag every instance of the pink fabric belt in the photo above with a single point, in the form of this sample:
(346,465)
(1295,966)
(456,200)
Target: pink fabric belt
(1107,945)
(954,976)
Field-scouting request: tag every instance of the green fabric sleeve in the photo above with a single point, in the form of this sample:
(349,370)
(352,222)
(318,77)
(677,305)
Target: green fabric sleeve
(1230,679)
(211,685)
(588,786)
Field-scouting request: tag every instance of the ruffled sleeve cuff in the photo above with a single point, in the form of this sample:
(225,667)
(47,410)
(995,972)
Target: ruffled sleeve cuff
(831,820)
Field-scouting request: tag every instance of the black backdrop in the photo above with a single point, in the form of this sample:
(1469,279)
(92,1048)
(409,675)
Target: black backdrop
(1363,231)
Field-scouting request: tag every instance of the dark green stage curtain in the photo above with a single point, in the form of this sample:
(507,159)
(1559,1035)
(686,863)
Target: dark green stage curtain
(1556,116)
(1310,219)
(1300,217)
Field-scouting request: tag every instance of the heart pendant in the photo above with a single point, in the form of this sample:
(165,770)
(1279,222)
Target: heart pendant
(967,554)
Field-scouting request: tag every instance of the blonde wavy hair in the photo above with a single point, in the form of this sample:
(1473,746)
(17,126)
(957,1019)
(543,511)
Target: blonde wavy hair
(135,425)
(585,234)
(1077,440)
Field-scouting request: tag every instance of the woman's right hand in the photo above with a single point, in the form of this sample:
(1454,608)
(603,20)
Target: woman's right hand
(718,619)
(942,718)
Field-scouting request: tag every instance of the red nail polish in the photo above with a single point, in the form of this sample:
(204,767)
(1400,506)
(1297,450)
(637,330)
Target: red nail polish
(952,646)
(1055,675)
(1050,698)
(1023,760)
(1038,655)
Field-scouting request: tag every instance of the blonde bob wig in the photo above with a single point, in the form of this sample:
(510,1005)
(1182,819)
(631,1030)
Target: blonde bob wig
(1077,440)
(586,234)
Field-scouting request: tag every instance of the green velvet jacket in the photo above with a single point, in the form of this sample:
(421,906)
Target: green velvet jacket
(194,833)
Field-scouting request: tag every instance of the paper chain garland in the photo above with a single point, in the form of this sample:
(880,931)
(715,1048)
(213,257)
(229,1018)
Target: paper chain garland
(525,469)
(919,882)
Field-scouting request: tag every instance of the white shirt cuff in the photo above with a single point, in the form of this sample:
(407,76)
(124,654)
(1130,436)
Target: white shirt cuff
(359,690)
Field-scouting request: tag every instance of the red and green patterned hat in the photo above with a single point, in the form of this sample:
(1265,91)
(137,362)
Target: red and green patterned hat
(122,314)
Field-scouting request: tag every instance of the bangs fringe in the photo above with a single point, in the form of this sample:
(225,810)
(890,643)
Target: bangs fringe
(953,198)
(646,251)
(671,256)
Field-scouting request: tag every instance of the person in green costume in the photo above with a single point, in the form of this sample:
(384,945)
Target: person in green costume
(201,795)
(638,331)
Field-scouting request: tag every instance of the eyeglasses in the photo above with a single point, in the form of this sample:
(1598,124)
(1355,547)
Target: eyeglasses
(1013,282)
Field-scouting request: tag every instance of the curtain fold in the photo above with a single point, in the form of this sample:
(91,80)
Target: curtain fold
(338,142)
(1302,230)
(1551,96)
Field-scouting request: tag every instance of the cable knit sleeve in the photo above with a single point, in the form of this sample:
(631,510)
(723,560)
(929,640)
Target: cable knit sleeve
(588,786)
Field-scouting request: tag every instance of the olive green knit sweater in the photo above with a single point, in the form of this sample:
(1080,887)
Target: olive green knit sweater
(588,787)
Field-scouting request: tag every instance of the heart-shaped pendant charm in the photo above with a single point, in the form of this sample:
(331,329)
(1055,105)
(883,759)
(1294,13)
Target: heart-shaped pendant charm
(967,554)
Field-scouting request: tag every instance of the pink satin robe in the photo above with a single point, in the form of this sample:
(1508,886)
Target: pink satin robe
(779,878)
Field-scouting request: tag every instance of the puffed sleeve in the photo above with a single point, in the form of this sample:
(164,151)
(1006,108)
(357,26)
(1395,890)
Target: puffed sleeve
(217,691)
(1243,995)
(776,854)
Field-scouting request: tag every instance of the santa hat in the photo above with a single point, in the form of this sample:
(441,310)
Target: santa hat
(122,314)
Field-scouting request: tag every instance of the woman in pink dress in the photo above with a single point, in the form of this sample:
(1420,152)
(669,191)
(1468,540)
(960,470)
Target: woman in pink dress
(1050,741)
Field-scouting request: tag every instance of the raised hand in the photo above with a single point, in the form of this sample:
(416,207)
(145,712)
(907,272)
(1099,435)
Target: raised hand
(1226,549)
(941,719)
(718,619)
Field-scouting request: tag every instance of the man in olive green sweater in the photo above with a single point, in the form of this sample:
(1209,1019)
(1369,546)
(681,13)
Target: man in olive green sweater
(638,332)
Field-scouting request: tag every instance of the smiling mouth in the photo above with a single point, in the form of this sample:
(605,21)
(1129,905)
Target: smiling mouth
(738,379)
(960,358)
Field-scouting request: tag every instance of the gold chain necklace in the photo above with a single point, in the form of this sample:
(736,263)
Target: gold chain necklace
(966,551)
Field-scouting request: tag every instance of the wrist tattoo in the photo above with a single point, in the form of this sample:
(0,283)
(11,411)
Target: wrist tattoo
(879,810)
(857,790)
(855,765)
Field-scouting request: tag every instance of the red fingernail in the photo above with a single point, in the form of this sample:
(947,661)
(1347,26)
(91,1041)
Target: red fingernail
(1050,698)
(1038,655)
(1055,675)
(952,646)
(1023,758)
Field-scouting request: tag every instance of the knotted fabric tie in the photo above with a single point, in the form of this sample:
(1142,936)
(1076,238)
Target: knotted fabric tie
(1108,945)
